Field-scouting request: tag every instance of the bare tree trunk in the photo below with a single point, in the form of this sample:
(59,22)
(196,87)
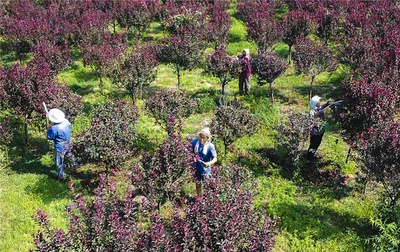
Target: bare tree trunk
(311,86)
(179,76)
(26,123)
(225,147)
(141,90)
(348,154)
(133,98)
(26,131)
(271,93)
(101,80)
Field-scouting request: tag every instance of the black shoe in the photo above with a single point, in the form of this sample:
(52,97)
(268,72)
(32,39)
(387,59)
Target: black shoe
(61,179)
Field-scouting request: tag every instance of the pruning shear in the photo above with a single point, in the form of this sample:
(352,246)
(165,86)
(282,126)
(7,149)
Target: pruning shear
(47,112)
(334,103)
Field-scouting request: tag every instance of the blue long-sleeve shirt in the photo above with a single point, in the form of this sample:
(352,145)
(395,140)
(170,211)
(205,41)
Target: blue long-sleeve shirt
(210,155)
(60,133)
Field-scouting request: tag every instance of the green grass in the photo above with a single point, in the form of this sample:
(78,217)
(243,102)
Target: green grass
(311,221)
(312,217)
(21,195)
(237,39)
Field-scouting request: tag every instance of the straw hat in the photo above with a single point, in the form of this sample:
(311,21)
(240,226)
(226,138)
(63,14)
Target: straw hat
(56,115)
(314,100)
(205,131)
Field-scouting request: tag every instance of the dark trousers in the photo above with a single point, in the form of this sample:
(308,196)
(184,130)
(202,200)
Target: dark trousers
(244,84)
(315,141)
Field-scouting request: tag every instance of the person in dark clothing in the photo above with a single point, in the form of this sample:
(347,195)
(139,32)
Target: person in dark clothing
(317,127)
(245,75)
(206,156)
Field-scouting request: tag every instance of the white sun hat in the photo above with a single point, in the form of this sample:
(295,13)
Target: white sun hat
(314,100)
(56,115)
(205,131)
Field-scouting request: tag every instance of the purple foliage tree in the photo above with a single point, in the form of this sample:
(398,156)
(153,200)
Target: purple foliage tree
(135,14)
(222,66)
(218,24)
(380,152)
(327,20)
(367,102)
(222,219)
(293,133)
(105,223)
(246,8)
(268,65)
(67,101)
(183,51)
(137,70)
(109,138)
(231,122)
(89,22)
(170,102)
(262,26)
(372,48)
(19,23)
(102,52)
(5,131)
(160,177)
(57,57)
(187,15)
(312,57)
(25,89)
(296,24)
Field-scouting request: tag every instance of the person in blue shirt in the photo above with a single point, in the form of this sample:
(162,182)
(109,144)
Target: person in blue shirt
(60,133)
(206,156)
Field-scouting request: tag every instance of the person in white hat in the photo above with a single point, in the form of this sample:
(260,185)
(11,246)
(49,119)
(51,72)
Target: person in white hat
(60,133)
(245,75)
(317,130)
(206,156)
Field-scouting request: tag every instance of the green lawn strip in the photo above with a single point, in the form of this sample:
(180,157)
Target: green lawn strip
(21,195)
(82,81)
(334,154)
(311,220)
(191,81)
(238,39)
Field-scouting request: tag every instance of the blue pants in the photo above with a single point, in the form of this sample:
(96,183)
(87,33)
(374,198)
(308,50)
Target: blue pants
(59,161)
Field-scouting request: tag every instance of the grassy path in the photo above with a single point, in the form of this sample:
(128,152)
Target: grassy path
(313,218)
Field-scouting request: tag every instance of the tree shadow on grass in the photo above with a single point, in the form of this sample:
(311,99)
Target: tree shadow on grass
(81,89)
(48,189)
(321,222)
(31,164)
(326,91)
(206,92)
(33,150)
(258,92)
(332,183)
(283,51)
(86,80)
